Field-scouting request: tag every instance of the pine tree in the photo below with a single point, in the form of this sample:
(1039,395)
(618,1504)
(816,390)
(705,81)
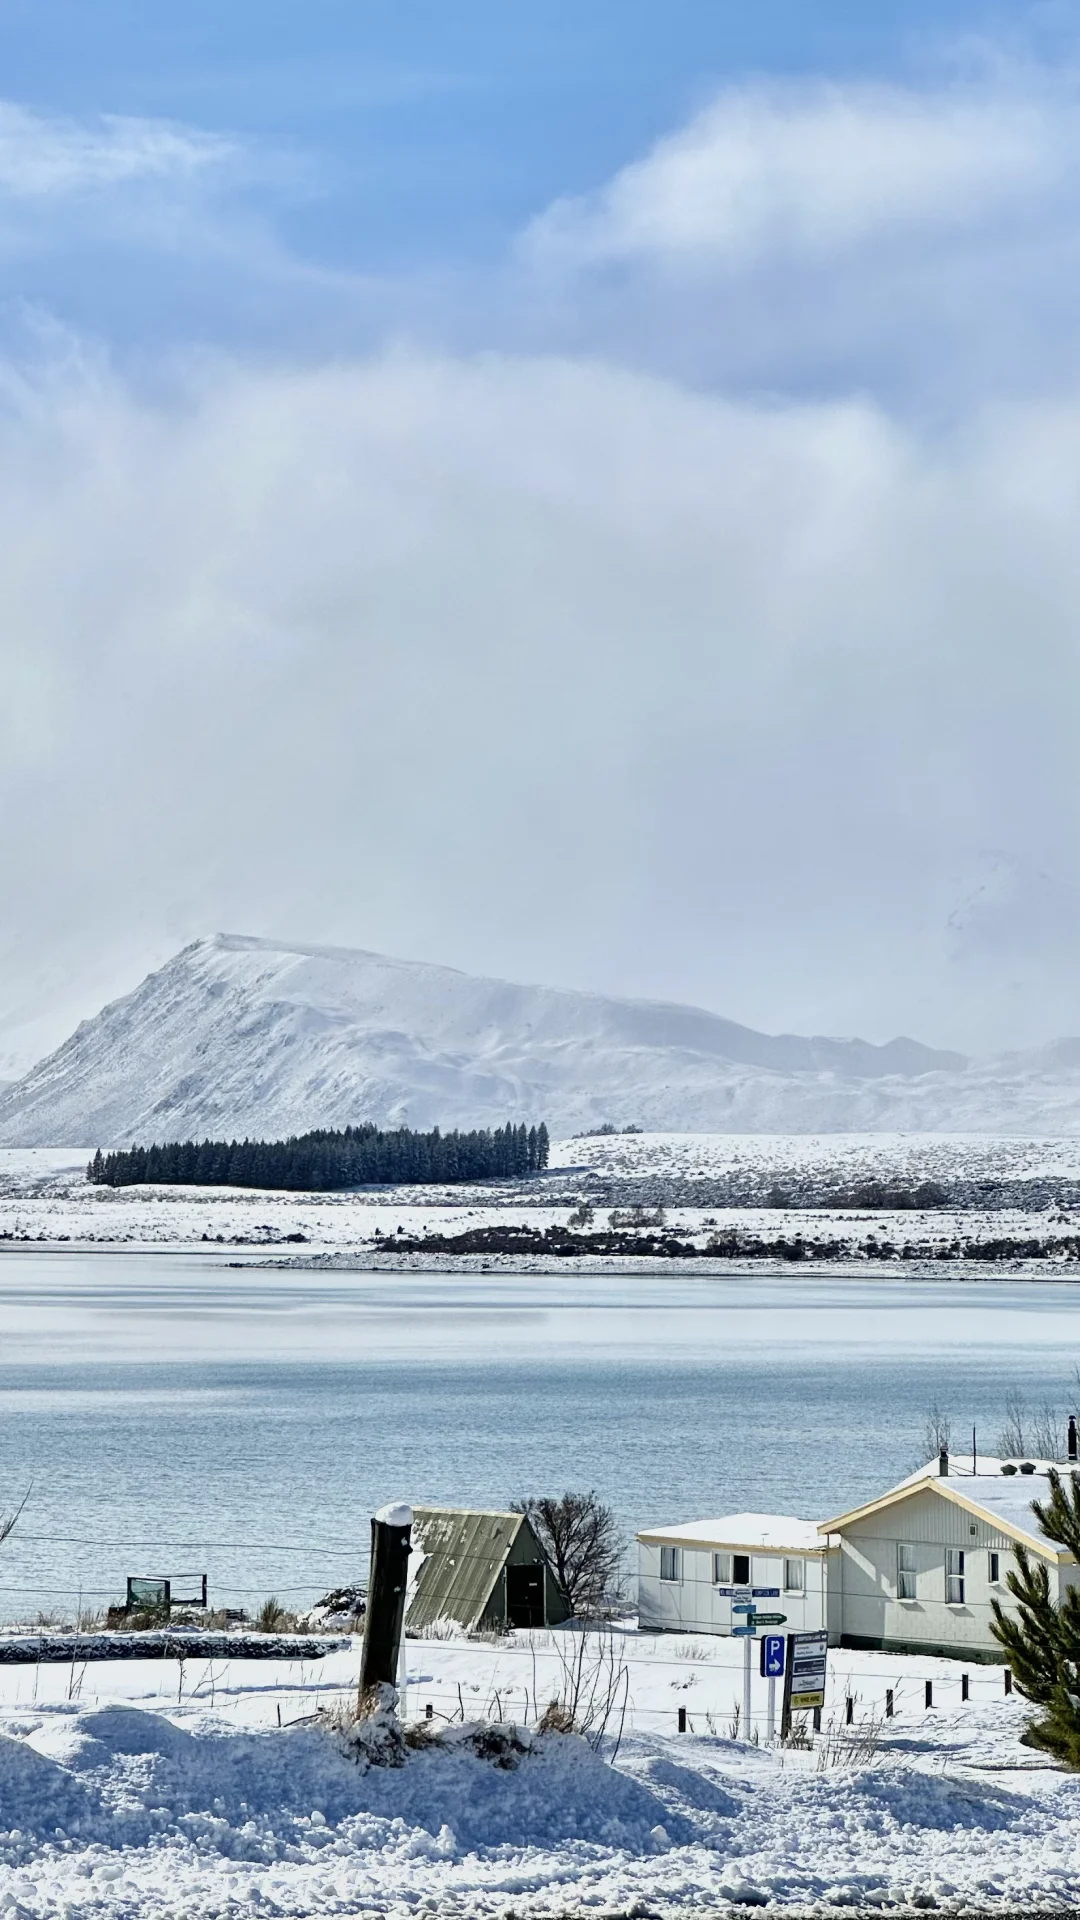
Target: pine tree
(1043,1642)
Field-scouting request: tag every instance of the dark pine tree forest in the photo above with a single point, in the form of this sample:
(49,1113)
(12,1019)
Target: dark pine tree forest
(317,1162)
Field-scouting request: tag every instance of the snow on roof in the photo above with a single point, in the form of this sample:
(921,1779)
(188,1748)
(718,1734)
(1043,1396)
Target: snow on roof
(781,1532)
(1007,1497)
(960,1467)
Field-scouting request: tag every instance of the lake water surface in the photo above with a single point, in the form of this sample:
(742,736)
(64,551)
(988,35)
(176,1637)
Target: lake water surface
(179,1413)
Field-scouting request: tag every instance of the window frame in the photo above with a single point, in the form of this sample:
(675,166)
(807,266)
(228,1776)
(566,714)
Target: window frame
(798,1566)
(907,1572)
(671,1557)
(993,1568)
(721,1569)
(955,1576)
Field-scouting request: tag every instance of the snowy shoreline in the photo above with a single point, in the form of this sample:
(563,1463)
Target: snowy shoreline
(649,1201)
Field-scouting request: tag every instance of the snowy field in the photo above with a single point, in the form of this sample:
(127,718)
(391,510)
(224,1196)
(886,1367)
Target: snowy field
(45,1200)
(142,1790)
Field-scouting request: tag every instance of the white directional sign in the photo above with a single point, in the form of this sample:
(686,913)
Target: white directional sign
(807,1662)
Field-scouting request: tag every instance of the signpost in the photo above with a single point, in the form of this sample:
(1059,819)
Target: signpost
(772,1667)
(804,1675)
(748,1632)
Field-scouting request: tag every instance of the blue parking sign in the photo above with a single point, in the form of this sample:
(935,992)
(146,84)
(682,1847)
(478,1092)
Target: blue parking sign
(772,1656)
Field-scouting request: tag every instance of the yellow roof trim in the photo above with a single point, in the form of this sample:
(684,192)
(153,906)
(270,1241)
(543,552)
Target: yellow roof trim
(949,1490)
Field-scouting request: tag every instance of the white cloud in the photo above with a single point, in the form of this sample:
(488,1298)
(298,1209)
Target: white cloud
(45,158)
(811,170)
(542,668)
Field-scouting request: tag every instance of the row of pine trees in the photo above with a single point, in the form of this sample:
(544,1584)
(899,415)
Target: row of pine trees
(317,1162)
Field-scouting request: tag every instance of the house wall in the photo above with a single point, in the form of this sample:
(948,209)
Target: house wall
(865,1609)
(693,1604)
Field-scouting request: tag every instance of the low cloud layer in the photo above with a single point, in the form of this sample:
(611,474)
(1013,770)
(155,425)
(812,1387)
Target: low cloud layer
(549,658)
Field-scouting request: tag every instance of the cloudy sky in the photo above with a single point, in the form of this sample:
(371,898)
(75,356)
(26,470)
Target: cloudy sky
(590,494)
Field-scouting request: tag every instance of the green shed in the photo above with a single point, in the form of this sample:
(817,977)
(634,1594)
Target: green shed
(480,1570)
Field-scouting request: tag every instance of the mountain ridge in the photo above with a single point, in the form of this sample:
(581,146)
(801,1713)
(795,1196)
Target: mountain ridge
(241,1035)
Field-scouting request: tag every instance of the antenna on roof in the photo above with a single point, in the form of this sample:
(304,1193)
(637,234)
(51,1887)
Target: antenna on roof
(974,1454)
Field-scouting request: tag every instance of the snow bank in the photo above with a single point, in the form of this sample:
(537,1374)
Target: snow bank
(126,1812)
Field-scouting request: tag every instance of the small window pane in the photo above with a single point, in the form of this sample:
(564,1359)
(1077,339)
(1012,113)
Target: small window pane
(954,1576)
(670,1563)
(905,1572)
(794,1576)
(995,1569)
(741,1569)
(721,1569)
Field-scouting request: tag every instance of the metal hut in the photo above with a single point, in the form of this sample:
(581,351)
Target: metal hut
(480,1570)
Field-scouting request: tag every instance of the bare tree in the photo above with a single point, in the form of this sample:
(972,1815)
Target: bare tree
(8,1521)
(937,1433)
(1047,1439)
(583,1543)
(1011,1438)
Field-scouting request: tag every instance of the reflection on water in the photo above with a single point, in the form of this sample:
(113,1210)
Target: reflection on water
(247,1413)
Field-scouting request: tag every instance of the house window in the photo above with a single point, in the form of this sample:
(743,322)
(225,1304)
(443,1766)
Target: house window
(740,1569)
(721,1569)
(995,1568)
(670,1563)
(954,1576)
(905,1572)
(794,1576)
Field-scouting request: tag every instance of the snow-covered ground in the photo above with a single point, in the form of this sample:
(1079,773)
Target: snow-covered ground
(137,1790)
(45,1200)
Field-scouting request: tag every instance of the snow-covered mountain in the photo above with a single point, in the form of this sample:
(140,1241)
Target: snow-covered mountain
(241,1036)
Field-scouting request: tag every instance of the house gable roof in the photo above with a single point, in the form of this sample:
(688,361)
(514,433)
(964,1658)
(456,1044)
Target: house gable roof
(1001,1500)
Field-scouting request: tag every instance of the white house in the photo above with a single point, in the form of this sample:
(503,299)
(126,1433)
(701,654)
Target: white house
(690,1577)
(916,1570)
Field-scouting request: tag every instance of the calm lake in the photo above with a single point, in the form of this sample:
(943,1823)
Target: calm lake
(176,1414)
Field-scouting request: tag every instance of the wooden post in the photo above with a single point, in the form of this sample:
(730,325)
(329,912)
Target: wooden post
(849,1711)
(391,1531)
(929,1693)
(1008,1679)
(888,1703)
(682,1719)
(964,1686)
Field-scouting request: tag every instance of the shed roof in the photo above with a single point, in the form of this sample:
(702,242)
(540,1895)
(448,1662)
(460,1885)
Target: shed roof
(775,1532)
(461,1555)
(1003,1500)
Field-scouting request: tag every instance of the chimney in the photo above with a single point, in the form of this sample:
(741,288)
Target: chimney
(1072,1437)
(943,1463)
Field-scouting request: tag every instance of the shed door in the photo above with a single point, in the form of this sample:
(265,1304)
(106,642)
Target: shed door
(525,1596)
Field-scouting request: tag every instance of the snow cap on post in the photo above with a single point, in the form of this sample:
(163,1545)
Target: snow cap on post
(396,1514)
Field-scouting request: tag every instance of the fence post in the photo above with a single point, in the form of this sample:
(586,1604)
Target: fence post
(682,1720)
(429,1711)
(1008,1679)
(817,1719)
(964,1685)
(849,1711)
(888,1703)
(929,1693)
(391,1531)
